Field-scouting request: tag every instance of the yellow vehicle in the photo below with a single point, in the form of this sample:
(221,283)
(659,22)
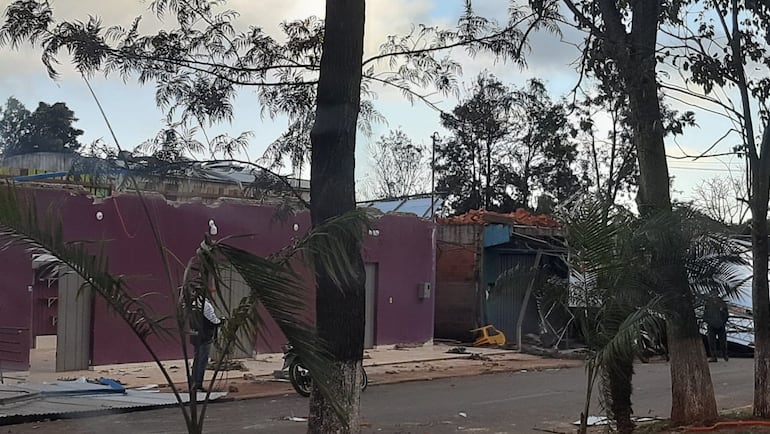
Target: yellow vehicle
(489,335)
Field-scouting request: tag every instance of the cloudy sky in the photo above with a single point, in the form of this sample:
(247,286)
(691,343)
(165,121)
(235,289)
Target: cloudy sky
(135,118)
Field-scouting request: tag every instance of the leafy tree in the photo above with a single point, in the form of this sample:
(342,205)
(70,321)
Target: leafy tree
(170,145)
(622,47)
(316,78)
(504,145)
(47,129)
(609,162)
(399,166)
(13,124)
(542,144)
(612,304)
(725,48)
(200,61)
(616,292)
(480,128)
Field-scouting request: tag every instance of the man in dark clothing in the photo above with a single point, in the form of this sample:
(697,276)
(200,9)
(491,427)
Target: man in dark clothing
(204,324)
(715,315)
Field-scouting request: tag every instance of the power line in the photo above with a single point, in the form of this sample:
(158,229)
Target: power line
(706,169)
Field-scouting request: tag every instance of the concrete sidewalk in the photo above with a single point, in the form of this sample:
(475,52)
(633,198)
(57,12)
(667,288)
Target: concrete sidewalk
(385,364)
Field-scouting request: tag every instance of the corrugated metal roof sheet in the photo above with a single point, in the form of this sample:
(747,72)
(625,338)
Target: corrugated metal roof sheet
(34,401)
(417,205)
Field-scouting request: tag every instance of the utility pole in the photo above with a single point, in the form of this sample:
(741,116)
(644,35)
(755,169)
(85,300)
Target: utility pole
(434,137)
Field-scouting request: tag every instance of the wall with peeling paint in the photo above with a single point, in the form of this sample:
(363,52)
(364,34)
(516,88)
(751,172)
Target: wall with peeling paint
(403,252)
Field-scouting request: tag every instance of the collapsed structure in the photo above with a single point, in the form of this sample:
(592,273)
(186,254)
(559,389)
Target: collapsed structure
(398,254)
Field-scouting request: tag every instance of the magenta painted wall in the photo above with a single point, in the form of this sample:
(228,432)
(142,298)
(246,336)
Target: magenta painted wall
(15,308)
(403,252)
(15,277)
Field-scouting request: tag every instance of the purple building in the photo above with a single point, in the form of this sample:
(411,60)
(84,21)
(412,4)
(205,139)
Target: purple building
(398,253)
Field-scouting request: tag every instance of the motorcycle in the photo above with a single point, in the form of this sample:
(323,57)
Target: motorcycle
(300,377)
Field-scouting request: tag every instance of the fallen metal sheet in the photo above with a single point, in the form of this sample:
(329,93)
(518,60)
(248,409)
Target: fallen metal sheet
(26,402)
(603,420)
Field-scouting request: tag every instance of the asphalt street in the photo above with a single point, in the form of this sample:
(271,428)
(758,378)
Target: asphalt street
(514,402)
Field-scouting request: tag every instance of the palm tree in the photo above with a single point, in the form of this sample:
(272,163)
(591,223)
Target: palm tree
(273,281)
(619,293)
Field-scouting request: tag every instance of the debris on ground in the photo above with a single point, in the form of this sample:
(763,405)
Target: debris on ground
(457,350)
(603,420)
(228,365)
(478,356)
(406,346)
(463,414)
(147,387)
(296,419)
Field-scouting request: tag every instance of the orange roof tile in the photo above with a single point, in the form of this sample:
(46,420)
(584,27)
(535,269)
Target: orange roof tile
(518,217)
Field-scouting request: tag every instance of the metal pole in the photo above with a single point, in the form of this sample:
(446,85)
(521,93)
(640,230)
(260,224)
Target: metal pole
(434,138)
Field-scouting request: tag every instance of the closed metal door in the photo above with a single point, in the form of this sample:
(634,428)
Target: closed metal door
(371,305)
(234,291)
(73,323)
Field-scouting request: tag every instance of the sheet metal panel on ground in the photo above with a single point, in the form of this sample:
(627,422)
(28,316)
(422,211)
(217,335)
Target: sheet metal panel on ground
(36,401)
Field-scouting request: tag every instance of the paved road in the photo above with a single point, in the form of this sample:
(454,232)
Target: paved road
(520,402)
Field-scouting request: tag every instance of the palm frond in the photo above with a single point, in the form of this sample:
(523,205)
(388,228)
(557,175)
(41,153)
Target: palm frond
(275,284)
(328,245)
(622,328)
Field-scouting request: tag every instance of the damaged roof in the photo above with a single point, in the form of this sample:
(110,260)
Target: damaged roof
(519,217)
(419,205)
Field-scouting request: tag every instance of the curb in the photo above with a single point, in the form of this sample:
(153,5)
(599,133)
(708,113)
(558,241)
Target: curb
(407,379)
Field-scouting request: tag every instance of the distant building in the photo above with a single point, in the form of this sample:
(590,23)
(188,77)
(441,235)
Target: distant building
(485,264)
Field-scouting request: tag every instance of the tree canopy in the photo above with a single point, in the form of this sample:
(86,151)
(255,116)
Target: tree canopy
(201,58)
(504,145)
(47,129)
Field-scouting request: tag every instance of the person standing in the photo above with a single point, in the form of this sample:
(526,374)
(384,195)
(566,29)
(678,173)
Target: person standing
(716,315)
(204,325)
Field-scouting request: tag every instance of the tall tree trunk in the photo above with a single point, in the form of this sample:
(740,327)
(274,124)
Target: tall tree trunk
(692,391)
(759,287)
(339,310)
(620,388)
(634,53)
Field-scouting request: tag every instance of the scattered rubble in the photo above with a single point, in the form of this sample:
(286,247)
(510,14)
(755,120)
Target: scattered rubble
(406,346)
(228,365)
(518,217)
(478,356)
